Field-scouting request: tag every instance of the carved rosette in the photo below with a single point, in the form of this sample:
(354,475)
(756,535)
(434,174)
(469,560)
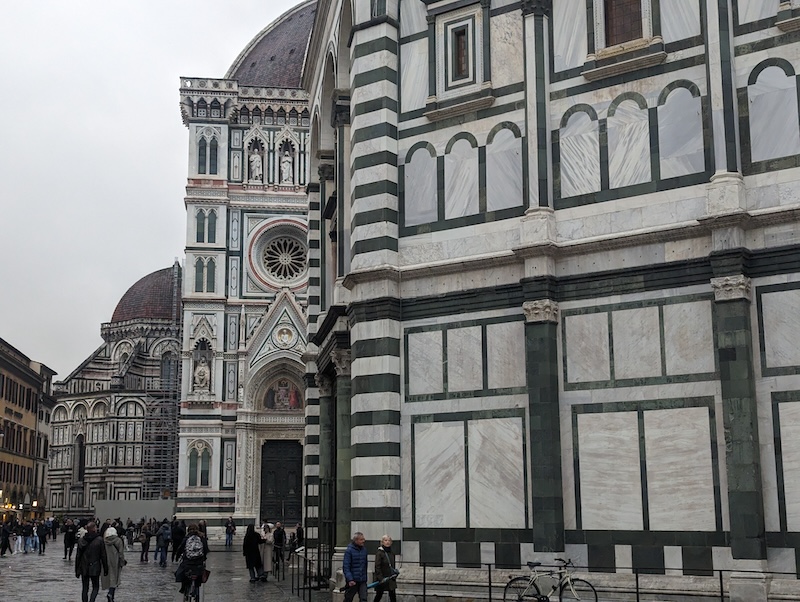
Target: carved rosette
(324,385)
(341,359)
(731,288)
(543,310)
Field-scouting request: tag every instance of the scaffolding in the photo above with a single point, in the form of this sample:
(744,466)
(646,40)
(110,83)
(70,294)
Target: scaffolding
(161,449)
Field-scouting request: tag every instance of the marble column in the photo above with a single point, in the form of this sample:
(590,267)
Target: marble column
(344,450)
(327,454)
(327,267)
(341,123)
(541,360)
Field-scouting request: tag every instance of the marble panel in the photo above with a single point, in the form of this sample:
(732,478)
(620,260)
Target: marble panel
(460,180)
(774,125)
(413,15)
(781,560)
(755,10)
(570,36)
(637,343)
(449,554)
(440,480)
(610,481)
(487,552)
(579,144)
(628,145)
(505,354)
(673,560)
(464,359)
(680,19)
(504,171)
(588,357)
(688,338)
(414,75)
(496,483)
(506,40)
(680,481)
(781,328)
(623,558)
(680,135)
(789,414)
(420,189)
(411,548)
(425,363)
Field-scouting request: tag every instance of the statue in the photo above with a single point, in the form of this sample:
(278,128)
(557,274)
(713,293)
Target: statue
(202,376)
(255,167)
(286,168)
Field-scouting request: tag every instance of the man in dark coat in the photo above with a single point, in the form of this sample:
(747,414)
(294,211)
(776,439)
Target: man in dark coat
(90,560)
(70,533)
(354,568)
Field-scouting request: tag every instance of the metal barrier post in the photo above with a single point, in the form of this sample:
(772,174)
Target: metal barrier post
(490,582)
(636,572)
(424,582)
(721,587)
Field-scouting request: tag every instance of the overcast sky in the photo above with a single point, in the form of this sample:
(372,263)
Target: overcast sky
(93,154)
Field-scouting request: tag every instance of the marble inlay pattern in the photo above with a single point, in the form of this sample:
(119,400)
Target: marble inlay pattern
(414,75)
(461,180)
(440,477)
(588,356)
(755,10)
(570,37)
(688,338)
(774,125)
(610,481)
(680,135)
(420,189)
(628,145)
(580,156)
(496,481)
(680,480)
(790,453)
(504,171)
(680,19)
(637,343)
(464,361)
(425,362)
(781,328)
(505,354)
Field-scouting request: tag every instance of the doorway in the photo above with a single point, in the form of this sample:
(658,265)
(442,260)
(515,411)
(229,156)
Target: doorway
(281,482)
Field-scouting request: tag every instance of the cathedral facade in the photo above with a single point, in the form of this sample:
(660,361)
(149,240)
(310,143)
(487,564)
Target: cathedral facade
(245,297)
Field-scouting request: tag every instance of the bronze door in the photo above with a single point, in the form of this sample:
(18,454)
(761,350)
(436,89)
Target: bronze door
(281,482)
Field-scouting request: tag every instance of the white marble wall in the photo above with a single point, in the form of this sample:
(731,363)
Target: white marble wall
(680,19)
(440,477)
(414,74)
(680,135)
(413,14)
(688,338)
(781,328)
(504,171)
(570,37)
(774,120)
(637,343)
(588,354)
(610,479)
(579,143)
(496,477)
(628,145)
(506,40)
(680,482)
(790,452)
(425,363)
(505,354)
(755,10)
(461,180)
(464,359)
(420,189)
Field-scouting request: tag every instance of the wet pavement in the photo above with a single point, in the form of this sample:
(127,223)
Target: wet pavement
(49,578)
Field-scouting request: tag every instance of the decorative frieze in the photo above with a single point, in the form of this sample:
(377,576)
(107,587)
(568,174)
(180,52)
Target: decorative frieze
(543,310)
(731,288)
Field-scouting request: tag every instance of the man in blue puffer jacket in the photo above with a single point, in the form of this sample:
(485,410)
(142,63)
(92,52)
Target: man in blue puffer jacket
(354,568)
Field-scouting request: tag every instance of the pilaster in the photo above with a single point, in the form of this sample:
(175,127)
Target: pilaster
(344,449)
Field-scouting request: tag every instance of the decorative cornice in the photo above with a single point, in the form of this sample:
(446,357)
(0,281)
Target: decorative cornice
(731,288)
(543,310)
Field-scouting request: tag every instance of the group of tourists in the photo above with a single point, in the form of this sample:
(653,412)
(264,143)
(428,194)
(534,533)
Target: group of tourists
(265,549)
(24,536)
(354,568)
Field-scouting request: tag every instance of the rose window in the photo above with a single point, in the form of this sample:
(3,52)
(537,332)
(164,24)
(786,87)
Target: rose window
(285,259)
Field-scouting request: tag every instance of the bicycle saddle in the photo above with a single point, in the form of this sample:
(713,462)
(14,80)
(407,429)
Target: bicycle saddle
(534,564)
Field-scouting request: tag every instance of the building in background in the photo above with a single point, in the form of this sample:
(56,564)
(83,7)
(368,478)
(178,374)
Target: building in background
(242,422)
(27,402)
(115,423)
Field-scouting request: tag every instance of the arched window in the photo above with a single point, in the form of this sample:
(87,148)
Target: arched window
(205,468)
(198,275)
(216,109)
(270,116)
(212,163)
(244,115)
(212,227)
(200,221)
(193,468)
(256,115)
(80,458)
(281,117)
(202,108)
(211,274)
(201,156)
(169,371)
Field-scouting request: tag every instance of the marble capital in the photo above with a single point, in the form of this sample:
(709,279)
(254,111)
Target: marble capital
(543,310)
(325,171)
(731,288)
(539,8)
(324,384)
(341,359)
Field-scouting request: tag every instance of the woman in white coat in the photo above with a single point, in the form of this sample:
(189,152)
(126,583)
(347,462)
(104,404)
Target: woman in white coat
(266,547)
(115,551)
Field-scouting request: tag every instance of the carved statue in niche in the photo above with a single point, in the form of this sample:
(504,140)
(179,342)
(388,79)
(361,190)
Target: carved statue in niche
(202,376)
(283,395)
(256,172)
(286,168)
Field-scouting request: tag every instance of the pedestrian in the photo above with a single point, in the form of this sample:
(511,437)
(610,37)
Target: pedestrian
(280,543)
(70,536)
(27,534)
(90,561)
(54,527)
(163,535)
(202,527)
(354,568)
(115,554)
(252,554)
(42,538)
(129,536)
(18,539)
(267,546)
(230,529)
(5,537)
(301,540)
(178,533)
(384,570)
(144,539)
(193,552)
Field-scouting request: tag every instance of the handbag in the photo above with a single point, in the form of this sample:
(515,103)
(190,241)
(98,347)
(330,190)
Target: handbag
(122,562)
(206,574)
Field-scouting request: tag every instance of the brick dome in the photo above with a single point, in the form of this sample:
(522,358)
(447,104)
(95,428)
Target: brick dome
(155,297)
(275,57)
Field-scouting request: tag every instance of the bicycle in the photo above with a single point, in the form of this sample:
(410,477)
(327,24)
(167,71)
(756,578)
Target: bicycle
(193,581)
(526,589)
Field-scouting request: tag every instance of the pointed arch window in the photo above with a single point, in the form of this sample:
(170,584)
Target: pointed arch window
(211,274)
(80,458)
(200,226)
(205,468)
(193,468)
(201,156)
(212,226)
(199,266)
(206,222)
(212,159)
(244,115)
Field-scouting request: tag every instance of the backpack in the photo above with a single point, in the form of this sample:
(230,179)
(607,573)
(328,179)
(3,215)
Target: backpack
(193,548)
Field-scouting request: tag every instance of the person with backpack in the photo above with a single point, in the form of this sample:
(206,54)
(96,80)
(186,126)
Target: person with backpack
(163,537)
(193,552)
(91,561)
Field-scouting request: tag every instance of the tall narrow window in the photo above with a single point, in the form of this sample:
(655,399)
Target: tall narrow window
(623,21)
(193,468)
(212,162)
(201,156)
(460,53)
(200,223)
(205,468)
(212,226)
(80,458)
(198,276)
(211,275)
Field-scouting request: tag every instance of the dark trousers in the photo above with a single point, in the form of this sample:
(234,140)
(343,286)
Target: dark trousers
(42,544)
(379,594)
(359,588)
(5,546)
(68,549)
(85,597)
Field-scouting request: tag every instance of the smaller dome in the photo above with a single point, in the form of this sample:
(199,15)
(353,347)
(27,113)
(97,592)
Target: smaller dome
(153,297)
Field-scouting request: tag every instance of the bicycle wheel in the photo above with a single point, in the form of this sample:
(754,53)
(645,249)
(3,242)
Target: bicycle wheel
(520,589)
(578,589)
